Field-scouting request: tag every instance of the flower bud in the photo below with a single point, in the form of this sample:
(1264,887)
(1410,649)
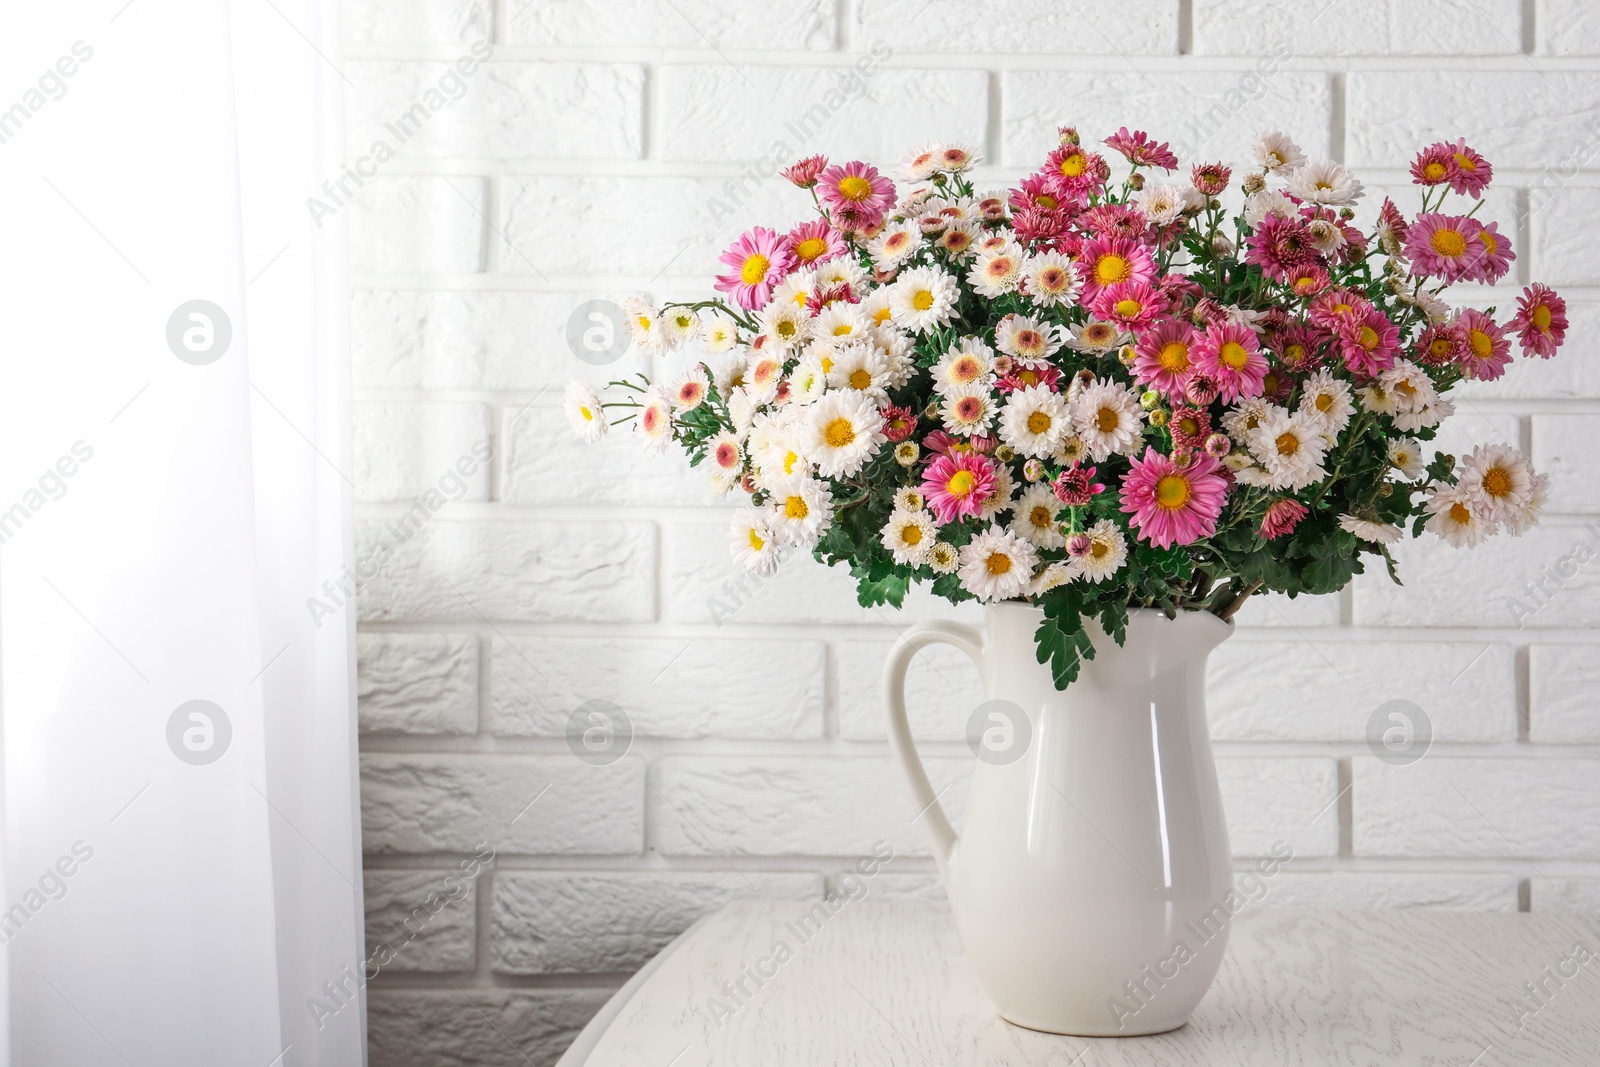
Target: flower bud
(1078,545)
(1218,445)
(1033,470)
(1126,355)
(1221,247)
(1149,399)
(1136,181)
(906,452)
(1158,417)
(1254,183)
(1005,453)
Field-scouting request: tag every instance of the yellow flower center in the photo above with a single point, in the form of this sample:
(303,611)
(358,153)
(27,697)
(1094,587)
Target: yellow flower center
(588,416)
(1434,171)
(922,299)
(1172,492)
(810,248)
(1323,402)
(911,534)
(1045,200)
(1489,243)
(1099,549)
(1460,514)
(789,460)
(1482,344)
(1039,422)
(855,187)
(998,563)
(754,270)
(1234,355)
(1367,338)
(860,378)
(1497,482)
(1111,268)
(756,541)
(839,433)
(1174,357)
(1107,419)
(1541,319)
(1287,444)
(961,483)
(796,507)
(1129,308)
(1074,165)
(881,316)
(1294,353)
(787,328)
(1465,163)
(1449,243)
(1041,516)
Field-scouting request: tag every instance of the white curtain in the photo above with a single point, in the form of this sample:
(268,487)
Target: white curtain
(181,879)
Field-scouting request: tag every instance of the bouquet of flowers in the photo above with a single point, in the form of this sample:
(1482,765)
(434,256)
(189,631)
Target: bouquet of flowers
(1092,394)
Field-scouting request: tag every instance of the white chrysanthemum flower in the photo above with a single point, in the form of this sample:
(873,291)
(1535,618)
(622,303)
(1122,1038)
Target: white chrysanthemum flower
(1325,400)
(1071,450)
(1034,421)
(919,164)
(719,483)
(1097,338)
(1522,521)
(968,362)
(923,299)
(807,381)
(861,366)
(909,536)
(731,373)
(1000,498)
(877,306)
(754,541)
(1108,418)
(899,354)
(1027,339)
(1050,279)
(654,421)
(1240,421)
(997,565)
(909,498)
(721,333)
(1410,385)
(897,243)
(1108,551)
(1378,400)
(841,321)
(1456,517)
(1498,480)
(1161,204)
(943,557)
(957,157)
(681,326)
(846,429)
(1274,151)
(1405,456)
(1254,475)
(724,455)
(1257,206)
(1048,577)
(967,409)
(1431,414)
(997,272)
(794,290)
(837,272)
(690,389)
(789,326)
(1324,182)
(644,323)
(1436,309)
(1291,448)
(1379,533)
(801,511)
(1327,236)
(1033,517)
(743,407)
(585,413)
(778,455)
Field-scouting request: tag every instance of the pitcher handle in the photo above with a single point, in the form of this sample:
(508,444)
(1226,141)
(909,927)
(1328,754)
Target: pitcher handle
(969,640)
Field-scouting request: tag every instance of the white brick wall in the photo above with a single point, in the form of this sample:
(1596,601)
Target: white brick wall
(590,157)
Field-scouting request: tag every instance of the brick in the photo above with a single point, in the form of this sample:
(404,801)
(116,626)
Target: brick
(668,687)
(1472,426)
(1574,373)
(1576,896)
(417,683)
(1281,610)
(416,21)
(1318,690)
(698,24)
(426,918)
(500,110)
(1094,27)
(779,114)
(405,450)
(637,225)
(539,805)
(476,1027)
(703,584)
(1205,115)
(1568,28)
(1365,889)
(548,465)
(1505,808)
(1359,27)
(1563,448)
(1547,577)
(1563,681)
(942,691)
(1390,115)
(421,225)
(608,922)
(1275,801)
(471,340)
(1561,256)
(535,571)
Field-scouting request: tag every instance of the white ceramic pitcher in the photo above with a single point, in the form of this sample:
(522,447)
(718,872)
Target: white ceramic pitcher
(1087,856)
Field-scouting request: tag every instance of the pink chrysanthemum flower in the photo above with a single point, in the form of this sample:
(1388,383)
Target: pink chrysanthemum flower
(1541,321)
(1211,179)
(1472,173)
(804,172)
(1369,343)
(1163,358)
(956,485)
(760,258)
(815,242)
(1170,504)
(1037,226)
(898,423)
(1299,346)
(1138,148)
(1282,517)
(1390,218)
(1442,344)
(1434,165)
(1113,220)
(1189,428)
(1497,254)
(1026,376)
(1445,246)
(1042,192)
(1280,245)
(1077,170)
(1487,351)
(1307,280)
(1076,486)
(1132,305)
(1332,308)
(856,189)
(1108,260)
(1229,355)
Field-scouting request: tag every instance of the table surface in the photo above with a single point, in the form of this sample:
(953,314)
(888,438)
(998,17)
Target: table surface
(888,983)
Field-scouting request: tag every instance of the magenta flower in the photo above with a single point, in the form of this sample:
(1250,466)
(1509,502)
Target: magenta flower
(1487,351)
(1162,359)
(1108,260)
(1077,170)
(1137,148)
(1434,165)
(1369,343)
(1497,254)
(1333,307)
(1211,179)
(1169,504)
(957,484)
(1445,246)
(1132,305)
(1279,246)
(1541,321)
(1282,517)
(858,189)
(1442,344)
(1076,486)
(1229,355)
(760,258)
(1472,174)
(815,242)
(804,173)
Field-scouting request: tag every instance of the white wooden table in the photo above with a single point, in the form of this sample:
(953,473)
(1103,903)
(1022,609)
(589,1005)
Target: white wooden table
(887,984)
